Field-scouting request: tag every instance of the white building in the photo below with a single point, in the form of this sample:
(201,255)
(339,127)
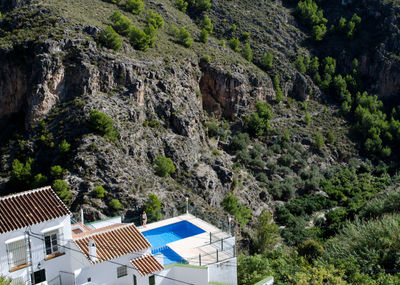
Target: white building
(38,245)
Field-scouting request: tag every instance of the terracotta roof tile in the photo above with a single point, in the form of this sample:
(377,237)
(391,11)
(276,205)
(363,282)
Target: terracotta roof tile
(29,208)
(112,241)
(146,264)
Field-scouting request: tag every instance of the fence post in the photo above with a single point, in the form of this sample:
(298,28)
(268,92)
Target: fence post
(210,237)
(222,244)
(199,259)
(217,255)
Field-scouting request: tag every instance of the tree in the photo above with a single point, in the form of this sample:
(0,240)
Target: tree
(134,6)
(56,171)
(155,20)
(121,24)
(163,166)
(310,249)
(181,5)
(232,206)
(64,147)
(319,141)
(203,36)
(266,233)
(267,61)
(139,39)
(39,180)
(234,43)
(110,39)
(102,124)
(115,205)
(61,188)
(247,52)
(206,24)
(259,122)
(184,38)
(21,174)
(307,118)
(153,208)
(299,64)
(318,32)
(99,192)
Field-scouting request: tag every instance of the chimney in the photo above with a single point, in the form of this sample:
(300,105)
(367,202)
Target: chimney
(92,251)
(82,219)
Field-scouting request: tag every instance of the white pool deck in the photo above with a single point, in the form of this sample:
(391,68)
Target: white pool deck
(190,248)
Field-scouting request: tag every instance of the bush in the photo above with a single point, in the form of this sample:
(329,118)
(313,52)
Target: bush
(202,5)
(319,141)
(310,249)
(206,24)
(61,188)
(64,147)
(330,138)
(110,39)
(21,174)
(115,205)
(234,43)
(181,5)
(247,52)
(163,166)
(134,6)
(318,32)
(267,61)
(259,122)
(56,171)
(139,39)
(155,20)
(121,24)
(285,160)
(203,36)
(232,206)
(184,38)
(299,64)
(153,208)
(240,141)
(267,233)
(102,124)
(99,192)
(205,58)
(39,180)
(307,119)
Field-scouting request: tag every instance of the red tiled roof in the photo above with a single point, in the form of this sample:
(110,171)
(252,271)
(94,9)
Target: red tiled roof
(146,264)
(112,241)
(29,208)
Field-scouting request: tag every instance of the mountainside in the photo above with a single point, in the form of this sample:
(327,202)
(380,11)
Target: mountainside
(245,107)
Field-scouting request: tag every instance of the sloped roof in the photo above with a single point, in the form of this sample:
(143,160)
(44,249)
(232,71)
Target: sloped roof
(147,264)
(29,208)
(112,241)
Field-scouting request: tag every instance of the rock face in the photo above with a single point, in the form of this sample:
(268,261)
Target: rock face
(230,95)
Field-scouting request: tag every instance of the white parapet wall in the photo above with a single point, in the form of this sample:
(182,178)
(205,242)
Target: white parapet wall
(223,272)
(183,272)
(105,222)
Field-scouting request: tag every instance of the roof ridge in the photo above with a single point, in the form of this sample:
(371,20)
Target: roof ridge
(13,195)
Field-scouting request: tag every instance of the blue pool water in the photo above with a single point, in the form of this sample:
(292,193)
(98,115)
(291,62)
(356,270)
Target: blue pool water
(160,237)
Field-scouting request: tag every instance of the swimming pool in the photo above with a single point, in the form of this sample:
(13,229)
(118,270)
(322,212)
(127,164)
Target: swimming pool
(160,237)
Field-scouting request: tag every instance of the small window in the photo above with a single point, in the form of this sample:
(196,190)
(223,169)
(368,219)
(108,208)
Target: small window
(16,254)
(39,276)
(51,242)
(122,271)
(134,280)
(152,280)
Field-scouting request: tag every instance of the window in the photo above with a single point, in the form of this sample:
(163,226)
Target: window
(51,242)
(134,280)
(152,280)
(16,254)
(122,271)
(39,276)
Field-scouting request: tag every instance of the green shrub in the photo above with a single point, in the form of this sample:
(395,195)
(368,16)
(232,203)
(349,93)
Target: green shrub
(206,24)
(134,6)
(121,24)
(267,61)
(247,52)
(286,160)
(153,208)
(307,118)
(64,147)
(21,174)
(102,124)
(310,249)
(115,205)
(206,58)
(318,32)
(155,20)
(110,39)
(309,12)
(39,180)
(240,141)
(266,234)
(232,206)
(299,64)
(139,39)
(319,141)
(234,43)
(61,188)
(203,36)
(183,37)
(163,166)
(245,36)
(99,192)
(202,5)
(181,5)
(56,171)
(330,138)
(259,121)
